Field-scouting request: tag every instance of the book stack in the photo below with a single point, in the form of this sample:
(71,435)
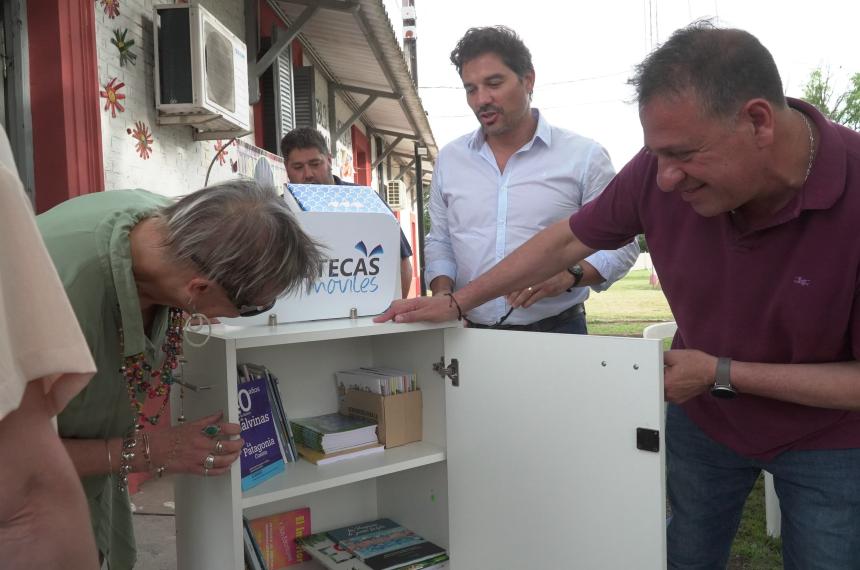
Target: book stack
(376,545)
(334,437)
(382,381)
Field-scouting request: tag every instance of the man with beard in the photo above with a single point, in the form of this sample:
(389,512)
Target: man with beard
(495,188)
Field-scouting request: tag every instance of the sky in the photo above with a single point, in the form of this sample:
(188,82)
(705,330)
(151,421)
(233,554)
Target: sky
(584,52)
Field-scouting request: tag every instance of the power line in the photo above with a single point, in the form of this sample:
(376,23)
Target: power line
(547,84)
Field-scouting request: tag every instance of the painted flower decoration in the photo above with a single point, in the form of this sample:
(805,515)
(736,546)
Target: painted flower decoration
(113,97)
(144,139)
(221,149)
(124,46)
(111,8)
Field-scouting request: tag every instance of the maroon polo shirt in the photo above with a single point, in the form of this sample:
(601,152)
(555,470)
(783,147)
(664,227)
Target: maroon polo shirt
(785,292)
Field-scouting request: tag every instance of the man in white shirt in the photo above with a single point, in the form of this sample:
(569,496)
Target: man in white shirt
(495,188)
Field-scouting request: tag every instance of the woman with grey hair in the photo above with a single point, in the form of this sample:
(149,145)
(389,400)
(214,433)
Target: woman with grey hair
(131,263)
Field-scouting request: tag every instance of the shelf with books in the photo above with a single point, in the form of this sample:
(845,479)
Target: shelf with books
(473,467)
(303,477)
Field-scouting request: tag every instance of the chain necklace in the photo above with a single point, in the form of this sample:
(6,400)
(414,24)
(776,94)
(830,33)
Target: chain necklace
(142,381)
(811,144)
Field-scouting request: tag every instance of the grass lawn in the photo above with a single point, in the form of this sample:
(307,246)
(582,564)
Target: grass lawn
(624,310)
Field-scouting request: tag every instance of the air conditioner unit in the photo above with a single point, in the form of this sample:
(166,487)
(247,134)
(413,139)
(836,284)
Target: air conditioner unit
(394,194)
(201,72)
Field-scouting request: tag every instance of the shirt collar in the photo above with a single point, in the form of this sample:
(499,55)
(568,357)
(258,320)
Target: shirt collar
(543,132)
(826,181)
(135,340)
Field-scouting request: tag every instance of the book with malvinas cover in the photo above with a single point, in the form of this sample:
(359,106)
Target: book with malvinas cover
(333,432)
(261,457)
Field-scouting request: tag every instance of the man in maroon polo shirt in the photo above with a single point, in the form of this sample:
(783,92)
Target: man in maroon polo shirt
(751,206)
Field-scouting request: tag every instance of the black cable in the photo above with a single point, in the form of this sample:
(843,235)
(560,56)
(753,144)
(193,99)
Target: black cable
(214,158)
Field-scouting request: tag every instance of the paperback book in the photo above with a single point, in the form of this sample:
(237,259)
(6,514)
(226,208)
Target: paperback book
(385,545)
(277,536)
(261,457)
(319,458)
(334,432)
(334,557)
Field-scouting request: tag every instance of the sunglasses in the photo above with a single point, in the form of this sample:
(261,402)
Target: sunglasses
(252,310)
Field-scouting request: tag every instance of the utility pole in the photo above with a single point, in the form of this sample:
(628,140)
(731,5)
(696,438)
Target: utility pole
(410,48)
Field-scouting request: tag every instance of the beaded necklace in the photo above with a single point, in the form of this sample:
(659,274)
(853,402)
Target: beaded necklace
(141,379)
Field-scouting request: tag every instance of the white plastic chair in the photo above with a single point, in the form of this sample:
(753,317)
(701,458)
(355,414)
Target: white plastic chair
(773,517)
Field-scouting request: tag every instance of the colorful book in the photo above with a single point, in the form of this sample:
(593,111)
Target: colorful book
(334,557)
(333,432)
(253,555)
(327,552)
(384,545)
(320,458)
(261,457)
(277,536)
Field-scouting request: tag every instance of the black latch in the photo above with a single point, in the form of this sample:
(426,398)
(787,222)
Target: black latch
(648,439)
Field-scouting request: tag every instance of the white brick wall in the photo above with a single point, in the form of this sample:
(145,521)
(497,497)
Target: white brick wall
(177,164)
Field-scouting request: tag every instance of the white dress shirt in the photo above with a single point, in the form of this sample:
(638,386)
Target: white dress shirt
(480,215)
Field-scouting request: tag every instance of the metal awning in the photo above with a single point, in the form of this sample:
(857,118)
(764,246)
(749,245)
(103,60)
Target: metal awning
(353,43)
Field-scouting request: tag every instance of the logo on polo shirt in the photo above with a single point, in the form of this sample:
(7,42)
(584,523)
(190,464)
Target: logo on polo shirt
(802,281)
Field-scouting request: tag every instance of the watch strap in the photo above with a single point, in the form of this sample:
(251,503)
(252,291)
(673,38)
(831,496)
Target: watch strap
(722,387)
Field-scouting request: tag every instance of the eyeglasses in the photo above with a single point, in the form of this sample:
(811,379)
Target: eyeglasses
(252,310)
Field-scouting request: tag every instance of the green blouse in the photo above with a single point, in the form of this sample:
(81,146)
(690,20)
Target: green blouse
(88,239)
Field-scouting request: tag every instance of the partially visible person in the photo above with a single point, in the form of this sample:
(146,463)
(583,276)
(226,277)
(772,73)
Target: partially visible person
(131,263)
(498,186)
(44,362)
(749,201)
(308,161)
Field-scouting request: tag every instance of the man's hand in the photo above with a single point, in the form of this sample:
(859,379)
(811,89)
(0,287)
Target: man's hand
(436,309)
(687,373)
(555,285)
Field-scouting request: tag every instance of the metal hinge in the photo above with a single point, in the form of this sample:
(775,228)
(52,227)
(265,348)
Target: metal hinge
(452,371)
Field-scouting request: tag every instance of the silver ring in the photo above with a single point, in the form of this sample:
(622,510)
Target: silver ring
(209,462)
(530,289)
(219,447)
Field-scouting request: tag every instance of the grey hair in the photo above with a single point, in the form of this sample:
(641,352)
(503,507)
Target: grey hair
(724,68)
(244,237)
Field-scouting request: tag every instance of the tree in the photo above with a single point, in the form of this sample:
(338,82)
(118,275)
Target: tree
(843,109)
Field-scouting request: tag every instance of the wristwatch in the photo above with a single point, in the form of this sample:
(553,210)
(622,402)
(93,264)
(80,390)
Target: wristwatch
(576,271)
(722,387)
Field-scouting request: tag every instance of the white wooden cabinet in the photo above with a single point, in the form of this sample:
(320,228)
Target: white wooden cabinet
(532,461)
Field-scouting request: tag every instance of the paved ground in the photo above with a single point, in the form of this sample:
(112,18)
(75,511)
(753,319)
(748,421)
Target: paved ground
(154,525)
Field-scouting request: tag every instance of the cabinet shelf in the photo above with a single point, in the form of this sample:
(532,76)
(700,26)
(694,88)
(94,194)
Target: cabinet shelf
(303,477)
(293,333)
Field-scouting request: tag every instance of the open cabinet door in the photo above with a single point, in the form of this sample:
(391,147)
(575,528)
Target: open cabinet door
(544,465)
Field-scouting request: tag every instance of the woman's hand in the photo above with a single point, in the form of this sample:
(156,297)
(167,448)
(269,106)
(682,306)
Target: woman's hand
(207,446)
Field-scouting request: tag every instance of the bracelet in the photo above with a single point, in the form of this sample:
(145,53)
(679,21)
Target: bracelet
(159,471)
(127,456)
(110,463)
(453,302)
(146,454)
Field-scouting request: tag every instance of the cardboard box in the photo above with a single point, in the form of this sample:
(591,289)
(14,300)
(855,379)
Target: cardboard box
(398,417)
